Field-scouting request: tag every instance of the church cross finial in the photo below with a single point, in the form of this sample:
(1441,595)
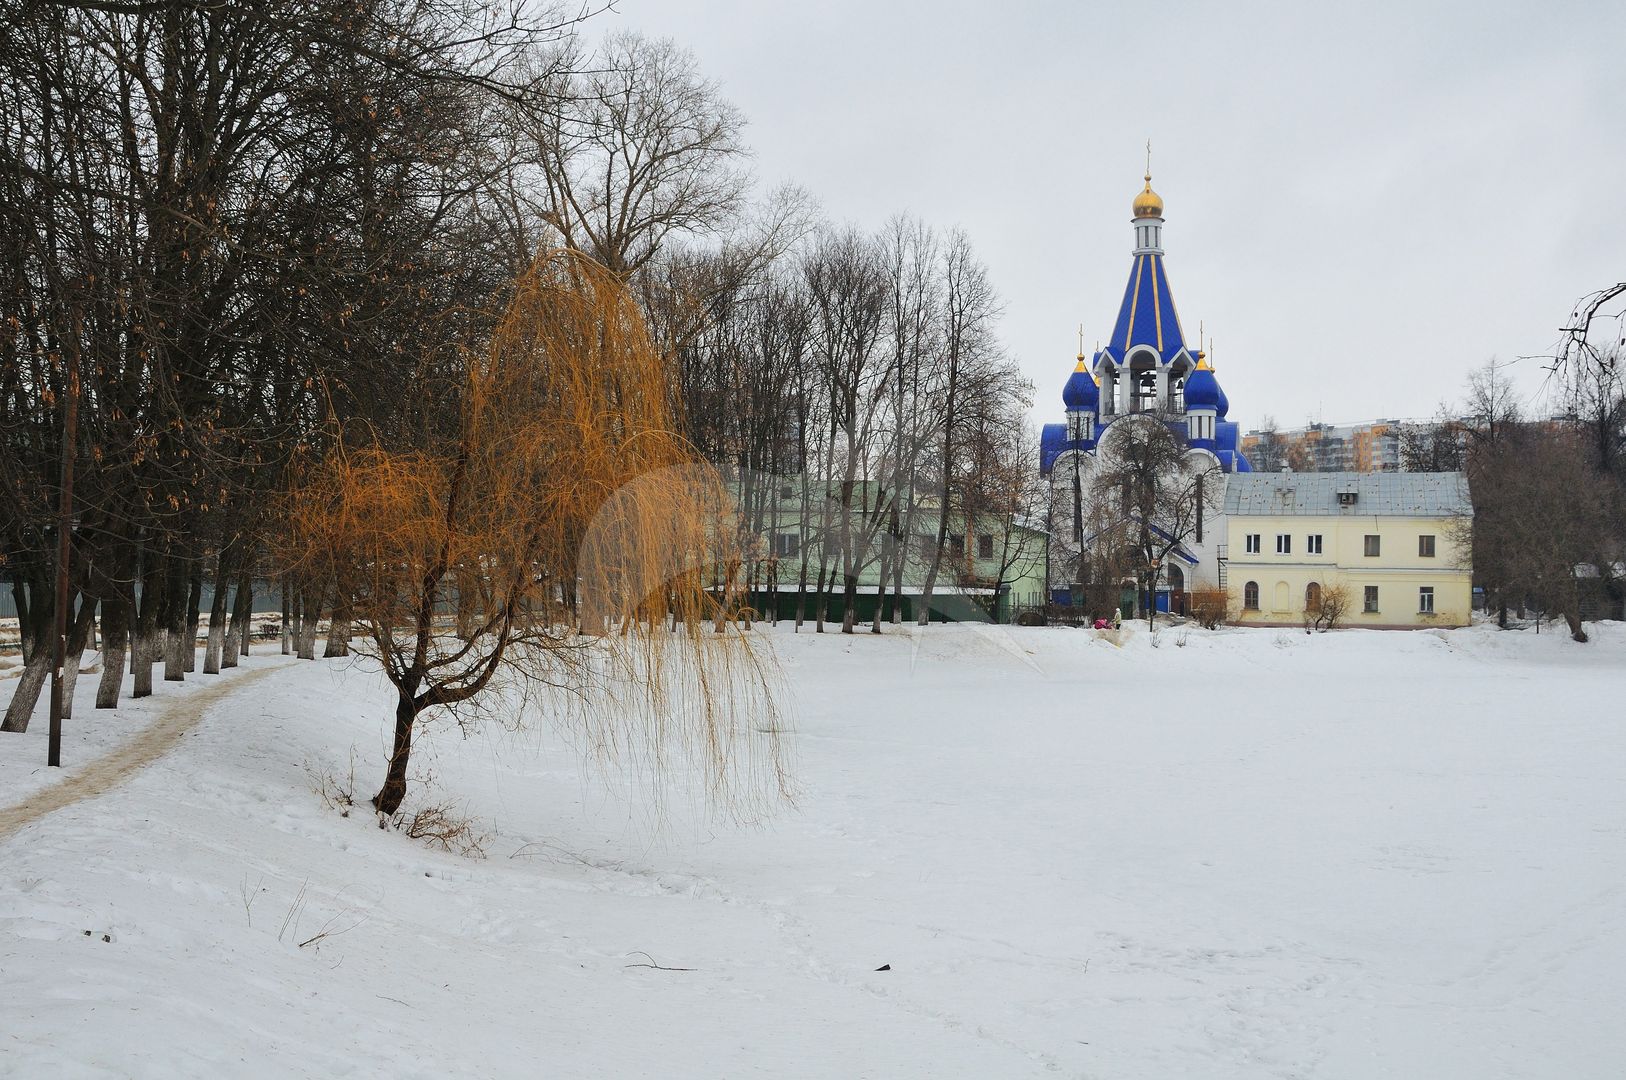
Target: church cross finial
(1148,161)
(1081,341)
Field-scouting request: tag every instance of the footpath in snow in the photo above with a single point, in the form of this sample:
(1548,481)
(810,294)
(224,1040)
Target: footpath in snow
(1247,853)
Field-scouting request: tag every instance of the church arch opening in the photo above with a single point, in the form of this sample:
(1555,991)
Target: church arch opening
(1143,382)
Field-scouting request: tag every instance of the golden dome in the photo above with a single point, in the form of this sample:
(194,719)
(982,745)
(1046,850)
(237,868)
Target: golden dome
(1148,204)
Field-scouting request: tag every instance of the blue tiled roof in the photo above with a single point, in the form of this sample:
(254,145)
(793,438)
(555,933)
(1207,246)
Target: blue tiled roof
(1202,390)
(1080,391)
(1147,316)
(1052,441)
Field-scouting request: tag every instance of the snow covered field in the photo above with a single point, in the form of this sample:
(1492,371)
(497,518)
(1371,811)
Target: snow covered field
(1253,854)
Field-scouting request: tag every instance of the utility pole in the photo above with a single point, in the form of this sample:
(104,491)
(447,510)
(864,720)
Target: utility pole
(64,530)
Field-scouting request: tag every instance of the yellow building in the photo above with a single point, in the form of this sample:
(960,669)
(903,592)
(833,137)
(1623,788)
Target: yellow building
(1388,540)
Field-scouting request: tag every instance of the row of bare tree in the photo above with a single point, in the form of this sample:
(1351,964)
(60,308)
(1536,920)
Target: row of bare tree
(857,396)
(241,239)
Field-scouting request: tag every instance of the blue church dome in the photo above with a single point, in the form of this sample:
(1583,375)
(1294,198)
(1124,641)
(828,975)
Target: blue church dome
(1080,392)
(1224,402)
(1052,441)
(1203,390)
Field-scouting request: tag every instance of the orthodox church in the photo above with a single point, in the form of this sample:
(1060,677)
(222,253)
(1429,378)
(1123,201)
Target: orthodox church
(1146,373)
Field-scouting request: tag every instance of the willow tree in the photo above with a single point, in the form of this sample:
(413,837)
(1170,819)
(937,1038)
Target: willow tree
(564,489)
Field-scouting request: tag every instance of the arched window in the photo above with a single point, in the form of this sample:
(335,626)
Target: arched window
(1250,596)
(1312,597)
(1177,578)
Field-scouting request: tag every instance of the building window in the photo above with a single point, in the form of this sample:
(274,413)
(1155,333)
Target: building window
(985,546)
(1252,544)
(1312,544)
(1425,548)
(1371,600)
(1373,546)
(1425,600)
(956,545)
(1284,544)
(1312,598)
(1250,596)
(787,545)
(787,492)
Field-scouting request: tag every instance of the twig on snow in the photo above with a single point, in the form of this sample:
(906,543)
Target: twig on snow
(652,963)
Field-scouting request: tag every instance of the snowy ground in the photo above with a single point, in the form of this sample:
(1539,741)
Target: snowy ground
(1256,854)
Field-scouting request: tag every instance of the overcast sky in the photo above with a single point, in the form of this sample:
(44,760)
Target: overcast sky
(1364,201)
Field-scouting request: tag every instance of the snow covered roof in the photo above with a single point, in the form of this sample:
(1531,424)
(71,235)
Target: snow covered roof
(1356,494)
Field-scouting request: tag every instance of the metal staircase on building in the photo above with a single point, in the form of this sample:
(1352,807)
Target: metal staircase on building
(1222,558)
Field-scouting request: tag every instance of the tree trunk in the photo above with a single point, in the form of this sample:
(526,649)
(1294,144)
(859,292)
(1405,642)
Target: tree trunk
(25,625)
(287,626)
(217,616)
(338,631)
(35,673)
(143,636)
(115,641)
(78,638)
(311,602)
(801,593)
(176,586)
(1572,613)
(245,610)
(821,601)
(467,599)
(194,601)
(888,546)
(38,628)
(229,650)
(388,799)
(296,608)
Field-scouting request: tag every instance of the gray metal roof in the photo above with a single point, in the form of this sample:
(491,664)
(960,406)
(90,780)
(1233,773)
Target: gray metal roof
(1377,494)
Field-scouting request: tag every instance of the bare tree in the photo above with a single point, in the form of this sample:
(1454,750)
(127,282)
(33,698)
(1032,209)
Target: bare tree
(642,148)
(1438,445)
(1325,606)
(560,440)
(1158,492)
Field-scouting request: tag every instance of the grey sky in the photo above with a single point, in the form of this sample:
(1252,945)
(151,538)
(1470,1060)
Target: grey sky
(1364,201)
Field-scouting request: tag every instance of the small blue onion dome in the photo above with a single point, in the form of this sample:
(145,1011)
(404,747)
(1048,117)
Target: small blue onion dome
(1203,390)
(1224,402)
(1081,393)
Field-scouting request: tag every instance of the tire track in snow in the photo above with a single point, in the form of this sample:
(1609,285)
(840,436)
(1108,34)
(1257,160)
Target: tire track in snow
(142,749)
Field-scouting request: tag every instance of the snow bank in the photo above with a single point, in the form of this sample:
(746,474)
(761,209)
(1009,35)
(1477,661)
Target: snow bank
(1244,853)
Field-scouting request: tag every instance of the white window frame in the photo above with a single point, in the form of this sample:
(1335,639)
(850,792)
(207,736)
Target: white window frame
(1426,539)
(1251,543)
(1425,599)
(1312,544)
(1369,601)
(1284,543)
